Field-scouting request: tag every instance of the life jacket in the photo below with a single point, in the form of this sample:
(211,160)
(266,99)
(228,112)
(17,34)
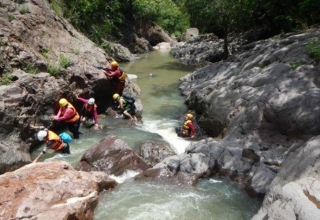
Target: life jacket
(185,128)
(126,104)
(123,76)
(89,109)
(74,117)
(58,143)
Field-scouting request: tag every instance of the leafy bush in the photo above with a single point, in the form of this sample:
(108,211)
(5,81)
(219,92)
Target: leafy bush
(313,48)
(163,12)
(95,18)
(56,7)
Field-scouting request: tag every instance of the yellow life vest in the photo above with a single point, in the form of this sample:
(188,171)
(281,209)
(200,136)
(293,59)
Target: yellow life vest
(123,76)
(185,127)
(58,143)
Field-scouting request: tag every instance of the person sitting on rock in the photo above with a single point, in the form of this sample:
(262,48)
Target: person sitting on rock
(127,108)
(53,141)
(187,129)
(89,113)
(117,76)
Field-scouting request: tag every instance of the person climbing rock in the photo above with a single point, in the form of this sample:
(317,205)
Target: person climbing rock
(187,129)
(89,114)
(126,106)
(117,76)
(69,114)
(53,141)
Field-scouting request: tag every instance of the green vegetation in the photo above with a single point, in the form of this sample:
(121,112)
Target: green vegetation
(57,8)
(11,17)
(6,79)
(53,70)
(313,48)
(165,13)
(44,53)
(2,43)
(75,51)
(23,10)
(19,1)
(285,15)
(102,20)
(295,64)
(64,61)
(104,45)
(29,68)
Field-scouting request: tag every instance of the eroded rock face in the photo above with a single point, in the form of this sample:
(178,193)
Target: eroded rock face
(42,59)
(112,156)
(52,190)
(263,102)
(294,192)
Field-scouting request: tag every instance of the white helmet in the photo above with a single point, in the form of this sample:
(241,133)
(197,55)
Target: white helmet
(91,101)
(41,135)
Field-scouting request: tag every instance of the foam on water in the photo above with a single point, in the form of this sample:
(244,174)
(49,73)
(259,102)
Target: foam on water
(129,174)
(166,129)
(215,181)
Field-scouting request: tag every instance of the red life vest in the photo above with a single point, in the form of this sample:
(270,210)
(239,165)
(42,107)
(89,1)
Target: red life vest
(57,142)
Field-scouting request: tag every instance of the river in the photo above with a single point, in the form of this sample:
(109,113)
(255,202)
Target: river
(214,198)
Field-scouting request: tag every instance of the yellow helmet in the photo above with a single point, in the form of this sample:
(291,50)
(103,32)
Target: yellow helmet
(63,102)
(114,64)
(190,116)
(115,96)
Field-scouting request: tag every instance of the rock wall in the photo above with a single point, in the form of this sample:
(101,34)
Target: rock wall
(263,101)
(43,58)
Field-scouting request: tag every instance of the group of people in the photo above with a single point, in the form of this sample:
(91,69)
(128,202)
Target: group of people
(68,113)
(88,115)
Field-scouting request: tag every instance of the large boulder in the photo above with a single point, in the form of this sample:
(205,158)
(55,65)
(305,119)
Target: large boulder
(51,190)
(182,169)
(112,156)
(189,33)
(154,152)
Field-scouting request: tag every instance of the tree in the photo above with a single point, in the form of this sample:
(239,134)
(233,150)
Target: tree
(165,13)
(222,16)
